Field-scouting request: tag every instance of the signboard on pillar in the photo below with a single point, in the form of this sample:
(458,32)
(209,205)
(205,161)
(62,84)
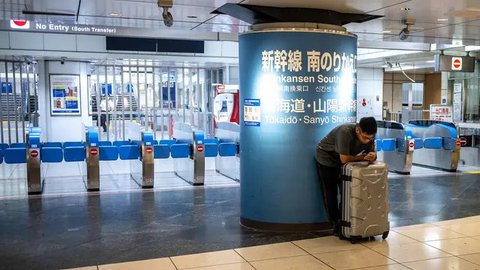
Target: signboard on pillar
(295,87)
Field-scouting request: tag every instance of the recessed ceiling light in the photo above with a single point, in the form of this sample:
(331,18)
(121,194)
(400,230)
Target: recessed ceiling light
(192,17)
(442,20)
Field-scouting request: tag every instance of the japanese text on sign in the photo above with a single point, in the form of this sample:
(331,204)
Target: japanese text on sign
(281,60)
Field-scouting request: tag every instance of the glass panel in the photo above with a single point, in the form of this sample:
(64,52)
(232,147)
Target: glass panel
(18,100)
(472,100)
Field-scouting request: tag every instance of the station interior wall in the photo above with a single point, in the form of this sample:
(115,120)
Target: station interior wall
(370,88)
(94,47)
(432,92)
(392,89)
(62,128)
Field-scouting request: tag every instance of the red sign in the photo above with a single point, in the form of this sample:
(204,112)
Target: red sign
(200,148)
(34,153)
(19,24)
(461,142)
(364,102)
(93,151)
(148,150)
(411,144)
(221,87)
(456,63)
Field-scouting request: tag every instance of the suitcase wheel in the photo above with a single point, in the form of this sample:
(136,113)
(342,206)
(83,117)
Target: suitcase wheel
(385,235)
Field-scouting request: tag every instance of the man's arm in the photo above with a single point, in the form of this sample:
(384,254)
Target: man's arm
(370,156)
(349,158)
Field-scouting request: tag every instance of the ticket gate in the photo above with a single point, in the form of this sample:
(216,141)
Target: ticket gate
(34,176)
(142,168)
(189,159)
(397,146)
(92,163)
(441,144)
(227,162)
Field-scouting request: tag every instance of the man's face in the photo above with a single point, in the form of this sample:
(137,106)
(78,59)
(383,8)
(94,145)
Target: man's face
(363,137)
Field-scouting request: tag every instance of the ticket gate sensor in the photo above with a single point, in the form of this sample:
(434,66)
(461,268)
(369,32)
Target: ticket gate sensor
(34,176)
(190,166)
(92,164)
(143,168)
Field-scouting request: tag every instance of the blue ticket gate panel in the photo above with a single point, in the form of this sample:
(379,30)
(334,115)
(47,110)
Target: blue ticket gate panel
(34,177)
(92,181)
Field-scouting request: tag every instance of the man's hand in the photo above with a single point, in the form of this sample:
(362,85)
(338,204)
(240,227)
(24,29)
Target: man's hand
(371,156)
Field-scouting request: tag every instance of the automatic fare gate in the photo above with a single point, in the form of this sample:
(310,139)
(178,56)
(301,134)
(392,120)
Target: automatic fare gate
(189,159)
(92,164)
(142,169)
(34,176)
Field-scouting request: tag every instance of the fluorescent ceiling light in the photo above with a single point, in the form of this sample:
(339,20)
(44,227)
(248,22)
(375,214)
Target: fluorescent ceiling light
(472,48)
(365,54)
(457,42)
(405,67)
(442,20)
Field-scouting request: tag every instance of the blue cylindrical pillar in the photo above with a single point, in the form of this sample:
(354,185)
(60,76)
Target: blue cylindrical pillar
(296,84)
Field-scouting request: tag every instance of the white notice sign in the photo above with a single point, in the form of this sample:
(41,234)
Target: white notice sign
(251,112)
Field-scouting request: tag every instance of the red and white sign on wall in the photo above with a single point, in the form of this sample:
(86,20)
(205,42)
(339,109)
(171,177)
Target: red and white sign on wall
(456,63)
(19,24)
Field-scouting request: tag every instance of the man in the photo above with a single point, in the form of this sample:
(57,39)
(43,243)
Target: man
(106,105)
(345,143)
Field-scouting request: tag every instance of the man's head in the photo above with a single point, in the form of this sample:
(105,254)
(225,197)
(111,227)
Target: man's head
(366,129)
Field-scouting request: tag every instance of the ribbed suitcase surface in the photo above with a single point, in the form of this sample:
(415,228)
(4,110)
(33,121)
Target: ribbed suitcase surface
(365,200)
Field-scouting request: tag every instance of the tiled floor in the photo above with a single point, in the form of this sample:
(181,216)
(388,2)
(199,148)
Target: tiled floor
(123,223)
(449,245)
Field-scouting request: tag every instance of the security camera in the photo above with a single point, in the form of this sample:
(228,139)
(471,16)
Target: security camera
(404,34)
(62,60)
(167,16)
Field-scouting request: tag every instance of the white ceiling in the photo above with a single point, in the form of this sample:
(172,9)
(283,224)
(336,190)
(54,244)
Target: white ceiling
(440,22)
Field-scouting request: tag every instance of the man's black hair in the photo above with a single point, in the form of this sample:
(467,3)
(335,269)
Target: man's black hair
(368,125)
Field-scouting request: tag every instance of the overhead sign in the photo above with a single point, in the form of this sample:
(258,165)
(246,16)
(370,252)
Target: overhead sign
(454,63)
(19,24)
(61,27)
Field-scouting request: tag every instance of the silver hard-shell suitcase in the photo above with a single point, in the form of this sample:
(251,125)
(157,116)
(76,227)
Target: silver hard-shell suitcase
(364,200)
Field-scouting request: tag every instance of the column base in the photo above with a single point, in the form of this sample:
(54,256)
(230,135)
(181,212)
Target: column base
(286,227)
